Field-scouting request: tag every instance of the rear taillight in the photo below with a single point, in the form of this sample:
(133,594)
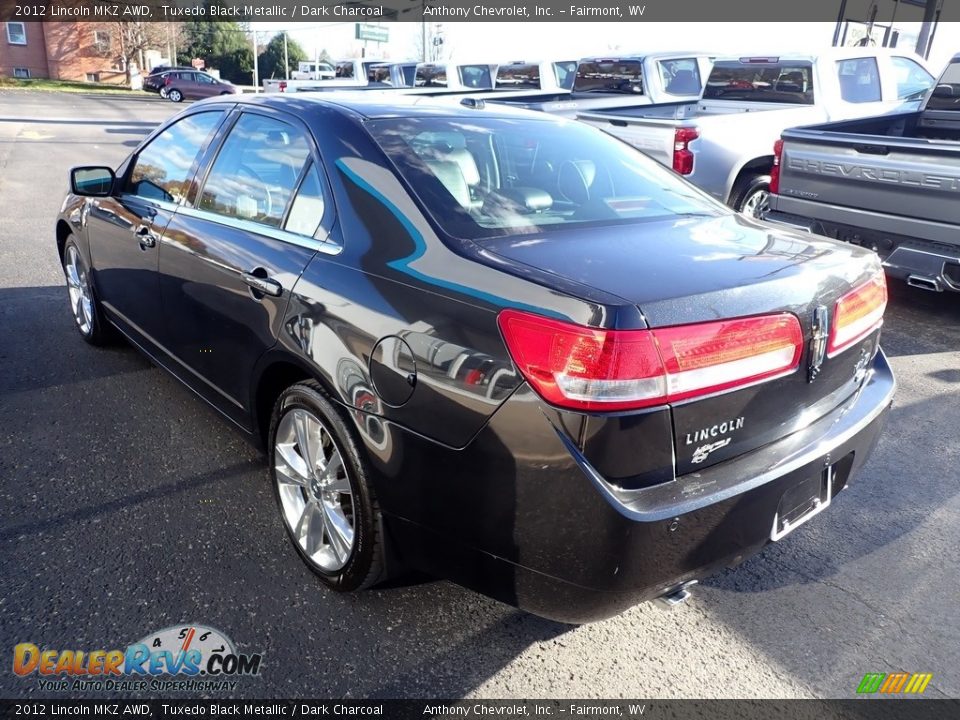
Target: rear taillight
(857,314)
(283,86)
(167,80)
(582,368)
(775,170)
(682,155)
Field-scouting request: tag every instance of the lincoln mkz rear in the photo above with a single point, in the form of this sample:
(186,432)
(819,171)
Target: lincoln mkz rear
(499,347)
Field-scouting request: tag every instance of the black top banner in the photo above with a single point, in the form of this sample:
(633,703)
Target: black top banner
(891,709)
(295,11)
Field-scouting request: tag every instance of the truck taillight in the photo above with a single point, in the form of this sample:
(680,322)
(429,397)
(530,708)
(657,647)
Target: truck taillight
(857,314)
(682,155)
(775,170)
(582,368)
(283,86)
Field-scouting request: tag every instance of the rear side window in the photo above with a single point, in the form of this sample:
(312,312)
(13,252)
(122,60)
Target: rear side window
(344,70)
(912,79)
(256,171)
(164,168)
(519,77)
(859,80)
(309,205)
(680,76)
(765,80)
(946,95)
(476,76)
(610,76)
(566,73)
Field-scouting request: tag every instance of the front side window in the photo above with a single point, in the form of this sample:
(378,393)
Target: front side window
(680,76)
(204,79)
(912,79)
(859,80)
(946,95)
(764,80)
(256,171)
(163,169)
(16,33)
(494,177)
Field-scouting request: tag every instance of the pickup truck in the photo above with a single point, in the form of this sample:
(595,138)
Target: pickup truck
(889,183)
(637,79)
(347,74)
(313,70)
(723,142)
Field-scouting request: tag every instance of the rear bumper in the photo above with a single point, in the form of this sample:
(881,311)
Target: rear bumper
(923,253)
(547,534)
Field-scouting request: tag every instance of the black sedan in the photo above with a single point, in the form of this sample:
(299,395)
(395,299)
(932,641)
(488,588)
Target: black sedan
(497,346)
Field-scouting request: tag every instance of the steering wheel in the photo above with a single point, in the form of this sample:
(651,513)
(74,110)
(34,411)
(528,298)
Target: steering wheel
(267,195)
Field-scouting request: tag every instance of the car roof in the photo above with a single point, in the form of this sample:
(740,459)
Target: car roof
(373,105)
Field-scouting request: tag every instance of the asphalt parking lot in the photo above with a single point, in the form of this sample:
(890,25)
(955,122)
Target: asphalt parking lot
(127,506)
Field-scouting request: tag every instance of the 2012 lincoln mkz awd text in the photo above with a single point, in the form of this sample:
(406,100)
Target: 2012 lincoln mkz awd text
(498,346)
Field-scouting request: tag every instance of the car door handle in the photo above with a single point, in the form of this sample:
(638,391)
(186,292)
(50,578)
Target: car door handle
(146,238)
(264,285)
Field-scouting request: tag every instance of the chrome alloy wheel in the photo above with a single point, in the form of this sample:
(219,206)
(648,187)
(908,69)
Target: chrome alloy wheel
(316,499)
(78,286)
(757,204)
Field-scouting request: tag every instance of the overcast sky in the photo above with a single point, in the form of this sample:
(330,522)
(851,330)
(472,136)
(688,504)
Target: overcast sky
(498,42)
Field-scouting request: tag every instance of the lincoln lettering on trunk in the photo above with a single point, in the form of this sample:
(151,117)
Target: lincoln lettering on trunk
(713,431)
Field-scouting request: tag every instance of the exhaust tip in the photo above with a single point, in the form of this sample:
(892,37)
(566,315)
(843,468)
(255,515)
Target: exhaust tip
(924,283)
(675,596)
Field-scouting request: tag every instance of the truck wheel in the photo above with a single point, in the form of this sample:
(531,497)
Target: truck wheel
(323,490)
(753,196)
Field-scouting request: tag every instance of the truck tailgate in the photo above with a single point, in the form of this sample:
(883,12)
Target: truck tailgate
(893,176)
(652,137)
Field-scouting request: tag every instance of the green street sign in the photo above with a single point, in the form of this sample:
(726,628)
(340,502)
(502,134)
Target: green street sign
(376,33)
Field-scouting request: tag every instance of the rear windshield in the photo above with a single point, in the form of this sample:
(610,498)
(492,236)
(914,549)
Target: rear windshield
(519,77)
(772,82)
(610,76)
(490,177)
(431,76)
(946,93)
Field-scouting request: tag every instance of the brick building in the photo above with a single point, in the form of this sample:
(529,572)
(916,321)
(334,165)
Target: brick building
(79,51)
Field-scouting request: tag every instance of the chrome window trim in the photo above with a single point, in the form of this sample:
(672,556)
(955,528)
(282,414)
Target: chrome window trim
(328,248)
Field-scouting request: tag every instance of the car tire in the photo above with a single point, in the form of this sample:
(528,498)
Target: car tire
(752,196)
(331,512)
(174,95)
(84,305)
(163,92)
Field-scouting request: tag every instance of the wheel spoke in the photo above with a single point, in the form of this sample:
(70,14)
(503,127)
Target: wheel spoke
(332,468)
(339,532)
(308,446)
(308,534)
(291,465)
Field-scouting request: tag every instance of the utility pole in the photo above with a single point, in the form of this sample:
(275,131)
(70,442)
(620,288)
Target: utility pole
(423,29)
(286,58)
(256,67)
(923,40)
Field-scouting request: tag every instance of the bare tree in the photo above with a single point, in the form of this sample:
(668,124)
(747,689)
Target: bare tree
(430,43)
(134,38)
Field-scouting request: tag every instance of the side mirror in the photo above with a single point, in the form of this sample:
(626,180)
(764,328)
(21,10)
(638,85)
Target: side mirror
(943,91)
(92,181)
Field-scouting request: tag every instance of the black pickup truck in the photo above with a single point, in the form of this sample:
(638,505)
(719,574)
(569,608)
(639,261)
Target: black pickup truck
(890,183)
